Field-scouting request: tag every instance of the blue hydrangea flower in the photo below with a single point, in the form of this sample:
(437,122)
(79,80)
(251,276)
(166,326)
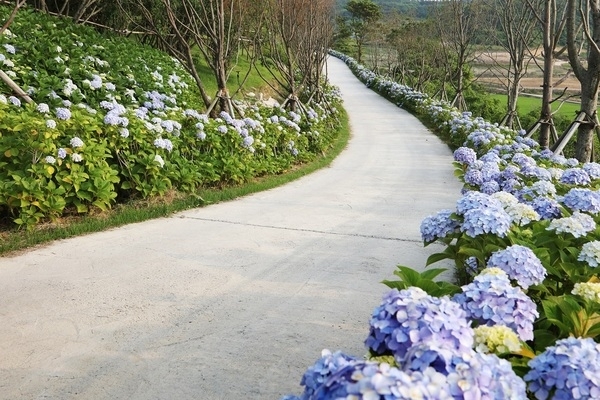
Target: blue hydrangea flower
(593,169)
(473,199)
(547,208)
(579,199)
(316,375)
(491,300)
(473,177)
(568,370)
(520,263)
(482,220)
(575,176)
(465,155)
(62,153)
(63,113)
(50,123)
(438,226)
(490,187)
(469,375)
(410,317)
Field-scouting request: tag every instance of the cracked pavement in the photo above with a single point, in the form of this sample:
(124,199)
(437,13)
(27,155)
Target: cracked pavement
(234,300)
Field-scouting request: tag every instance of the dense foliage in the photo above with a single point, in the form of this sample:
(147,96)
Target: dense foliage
(113,120)
(524,238)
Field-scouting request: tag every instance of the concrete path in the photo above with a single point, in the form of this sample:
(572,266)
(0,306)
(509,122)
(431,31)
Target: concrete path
(235,300)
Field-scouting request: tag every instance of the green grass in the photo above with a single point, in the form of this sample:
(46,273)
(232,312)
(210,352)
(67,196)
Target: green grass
(527,104)
(15,240)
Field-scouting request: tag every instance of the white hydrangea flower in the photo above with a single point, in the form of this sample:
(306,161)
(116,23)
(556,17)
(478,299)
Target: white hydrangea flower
(493,271)
(497,339)
(159,160)
(522,214)
(588,290)
(590,253)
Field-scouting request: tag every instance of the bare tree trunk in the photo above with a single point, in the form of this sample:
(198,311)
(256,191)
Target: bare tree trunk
(588,76)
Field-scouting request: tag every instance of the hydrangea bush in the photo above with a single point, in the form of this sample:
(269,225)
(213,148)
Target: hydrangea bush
(525,243)
(113,119)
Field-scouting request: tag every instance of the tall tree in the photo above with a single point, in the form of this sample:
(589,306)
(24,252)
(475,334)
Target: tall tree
(186,26)
(363,13)
(294,46)
(587,70)
(551,18)
(513,27)
(458,23)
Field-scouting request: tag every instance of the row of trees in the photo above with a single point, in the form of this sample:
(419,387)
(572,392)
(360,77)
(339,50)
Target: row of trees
(289,38)
(435,55)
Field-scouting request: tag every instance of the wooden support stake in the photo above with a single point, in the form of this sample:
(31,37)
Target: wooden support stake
(560,144)
(20,92)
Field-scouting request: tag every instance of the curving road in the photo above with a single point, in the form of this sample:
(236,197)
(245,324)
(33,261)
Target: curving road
(235,300)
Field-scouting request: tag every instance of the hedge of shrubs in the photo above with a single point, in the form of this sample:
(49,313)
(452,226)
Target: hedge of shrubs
(113,120)
(522,319)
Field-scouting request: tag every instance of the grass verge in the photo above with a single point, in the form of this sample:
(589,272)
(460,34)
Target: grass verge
(15,240)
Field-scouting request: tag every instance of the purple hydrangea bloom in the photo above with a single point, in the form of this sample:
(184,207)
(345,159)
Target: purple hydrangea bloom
(568,370)
(546,207)
(490,187)
(510,172)
(520,263)
(491,300)
(473,177)
(546,154)
(575,176)
(523,160)
(410,317)
(438,226)
(470,375)
(482,220)
(586,200)
(465,155)
(248,141)
(61,153)
(490,171)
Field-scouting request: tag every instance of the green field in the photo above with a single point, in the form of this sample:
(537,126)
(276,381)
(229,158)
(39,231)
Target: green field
(527,104)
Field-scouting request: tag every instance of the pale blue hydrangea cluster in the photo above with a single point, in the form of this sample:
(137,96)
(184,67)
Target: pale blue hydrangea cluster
(520,264)
(593,169)
(547,208)
(578,225)
(470,374)
(568,370)
(373,381)
(486,220)
(491,300)
(438,226)
(575,176)
(580,199)
(465,155)
(411,316)
(590,253)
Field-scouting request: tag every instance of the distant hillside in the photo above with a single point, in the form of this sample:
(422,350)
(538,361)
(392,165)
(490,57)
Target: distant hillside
(415,8)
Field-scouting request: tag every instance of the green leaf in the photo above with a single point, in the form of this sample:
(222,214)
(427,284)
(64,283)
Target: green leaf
(436,257)
(432,273)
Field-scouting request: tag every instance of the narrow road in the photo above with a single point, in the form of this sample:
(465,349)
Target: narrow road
(234,300)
